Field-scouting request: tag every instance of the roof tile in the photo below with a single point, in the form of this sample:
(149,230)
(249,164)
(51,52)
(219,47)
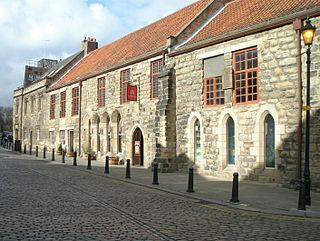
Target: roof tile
(241,14)
(144,40)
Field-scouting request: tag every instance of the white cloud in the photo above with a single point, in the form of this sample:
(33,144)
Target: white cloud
(35,29)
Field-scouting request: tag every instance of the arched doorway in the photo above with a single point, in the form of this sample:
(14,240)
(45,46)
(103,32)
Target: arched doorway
(98,136)
(89,135)
(137,147)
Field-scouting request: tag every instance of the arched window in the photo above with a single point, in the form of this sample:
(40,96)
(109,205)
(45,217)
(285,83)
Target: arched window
(230,142)
(98,135)
(197,141)
(108,135)
(269,143)
(119,134)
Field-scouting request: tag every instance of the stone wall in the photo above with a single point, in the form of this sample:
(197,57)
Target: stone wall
(278,84)
(29,110)
(134,114)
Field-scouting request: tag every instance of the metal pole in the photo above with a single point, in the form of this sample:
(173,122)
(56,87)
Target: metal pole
(30,150)
(75,158)
(44,152)
(63,156)
(235,188)
(128,169)
(37,151)
(52,154)
(190,181)
(306,174)
(106,167)
(89,162)
(25,149)
(155,174)
(302,201)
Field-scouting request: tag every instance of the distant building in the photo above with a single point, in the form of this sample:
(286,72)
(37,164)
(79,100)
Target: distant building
(216,85)
(35,70)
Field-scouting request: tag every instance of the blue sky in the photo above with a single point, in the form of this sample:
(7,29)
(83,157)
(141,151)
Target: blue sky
(36,29)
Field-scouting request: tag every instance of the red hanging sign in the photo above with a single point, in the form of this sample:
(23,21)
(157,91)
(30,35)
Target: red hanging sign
(131,92)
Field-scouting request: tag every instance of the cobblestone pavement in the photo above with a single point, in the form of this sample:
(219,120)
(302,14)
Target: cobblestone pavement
(40,201)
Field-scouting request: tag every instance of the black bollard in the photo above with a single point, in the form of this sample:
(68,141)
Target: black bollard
(30,150)
(155,174)
(302,196)
(89,162)
(52,154)
(37,151)
(190,181)
(63,156)
(25,149)
(235,188)
(44,152)
(20,148)
(75,158)
(128,169)
(106,167)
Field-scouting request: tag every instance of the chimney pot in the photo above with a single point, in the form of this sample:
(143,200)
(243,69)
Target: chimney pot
(89,44)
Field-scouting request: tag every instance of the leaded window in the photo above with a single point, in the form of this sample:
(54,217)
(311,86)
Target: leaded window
(246,75)
(156,68)
(230,141)
(269,133)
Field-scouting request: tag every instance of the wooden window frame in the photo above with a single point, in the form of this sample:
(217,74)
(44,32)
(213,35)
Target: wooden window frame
(154,78)
(214,92)
(246,71)
(75,101)
(124,81)
(52,106)
(63,99)
(101,92)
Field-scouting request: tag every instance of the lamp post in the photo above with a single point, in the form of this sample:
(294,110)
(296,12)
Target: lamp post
(308,32)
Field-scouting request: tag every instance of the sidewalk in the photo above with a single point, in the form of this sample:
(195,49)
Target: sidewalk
(258,197)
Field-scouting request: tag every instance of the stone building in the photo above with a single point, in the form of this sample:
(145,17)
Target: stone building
(217,85)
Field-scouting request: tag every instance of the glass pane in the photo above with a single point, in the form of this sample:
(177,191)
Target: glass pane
(269,141)
(230,142)
(197,141)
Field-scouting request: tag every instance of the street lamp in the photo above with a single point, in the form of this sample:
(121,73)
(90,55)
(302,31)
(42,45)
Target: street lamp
(308,32)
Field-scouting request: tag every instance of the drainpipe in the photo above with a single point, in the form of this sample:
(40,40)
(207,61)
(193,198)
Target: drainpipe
(21,114)
(80,101)
(297,24)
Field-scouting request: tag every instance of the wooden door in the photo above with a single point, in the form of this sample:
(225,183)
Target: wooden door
(137,148)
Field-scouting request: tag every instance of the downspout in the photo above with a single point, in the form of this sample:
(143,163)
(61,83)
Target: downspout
(80,101)
(21,114)
(297,26)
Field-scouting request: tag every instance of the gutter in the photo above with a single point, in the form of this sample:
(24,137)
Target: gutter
(297,24)
(22,110)
(80,101)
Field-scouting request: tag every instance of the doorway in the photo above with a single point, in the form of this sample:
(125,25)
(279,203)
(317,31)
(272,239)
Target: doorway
(70,141)
(137,147)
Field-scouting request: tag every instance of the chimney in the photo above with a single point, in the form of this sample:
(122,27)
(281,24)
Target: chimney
(89,44)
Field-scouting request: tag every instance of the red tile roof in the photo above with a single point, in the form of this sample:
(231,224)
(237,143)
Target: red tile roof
(145,40)
(241,14)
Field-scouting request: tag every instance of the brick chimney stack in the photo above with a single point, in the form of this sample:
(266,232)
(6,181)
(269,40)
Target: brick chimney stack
(89,44)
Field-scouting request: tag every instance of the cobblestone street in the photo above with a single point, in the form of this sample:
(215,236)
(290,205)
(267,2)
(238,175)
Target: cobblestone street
(40,201)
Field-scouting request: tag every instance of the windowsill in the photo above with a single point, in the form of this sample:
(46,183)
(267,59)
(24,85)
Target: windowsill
(210,107)
(230,167)
(246,103)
